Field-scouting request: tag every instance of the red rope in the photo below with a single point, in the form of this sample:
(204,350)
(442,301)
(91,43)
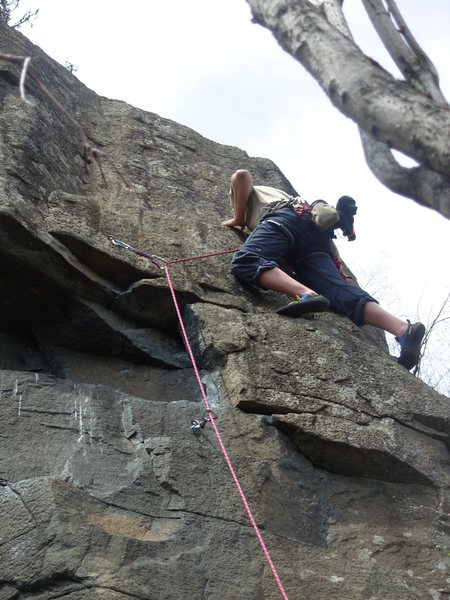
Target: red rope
(338,264)
(225,453)
(178,260)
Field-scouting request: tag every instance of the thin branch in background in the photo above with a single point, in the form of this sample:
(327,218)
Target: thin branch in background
(70,67)
(440,318)
(438,382)
(28,17)
(88,148)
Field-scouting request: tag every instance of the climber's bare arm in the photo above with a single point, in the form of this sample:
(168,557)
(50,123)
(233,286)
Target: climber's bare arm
(241,186)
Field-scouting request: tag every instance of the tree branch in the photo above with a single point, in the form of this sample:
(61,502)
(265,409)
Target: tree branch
(7,7)
(410,39)
(441,317)
(409,57)
(426,187)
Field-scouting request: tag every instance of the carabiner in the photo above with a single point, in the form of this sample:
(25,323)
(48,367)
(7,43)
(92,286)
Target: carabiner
(151,257)
(119,243)
(208,415)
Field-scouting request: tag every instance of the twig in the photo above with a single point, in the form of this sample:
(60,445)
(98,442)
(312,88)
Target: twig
(440,317)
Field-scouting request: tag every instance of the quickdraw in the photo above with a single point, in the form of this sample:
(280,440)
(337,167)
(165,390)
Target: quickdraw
(208,416)
(153,257)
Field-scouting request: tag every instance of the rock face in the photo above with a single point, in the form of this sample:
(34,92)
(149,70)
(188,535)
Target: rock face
(106,492)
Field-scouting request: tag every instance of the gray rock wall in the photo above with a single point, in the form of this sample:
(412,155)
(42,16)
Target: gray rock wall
(105,490)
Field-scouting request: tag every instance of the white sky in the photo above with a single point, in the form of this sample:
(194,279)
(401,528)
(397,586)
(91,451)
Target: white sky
(204,64)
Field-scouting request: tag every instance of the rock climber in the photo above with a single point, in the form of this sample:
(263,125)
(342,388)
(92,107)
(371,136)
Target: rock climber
(287,236)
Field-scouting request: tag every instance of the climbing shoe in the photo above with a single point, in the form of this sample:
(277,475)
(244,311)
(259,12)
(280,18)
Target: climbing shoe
(304,304)
(410,343)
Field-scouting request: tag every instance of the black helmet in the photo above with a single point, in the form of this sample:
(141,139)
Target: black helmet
(346,208)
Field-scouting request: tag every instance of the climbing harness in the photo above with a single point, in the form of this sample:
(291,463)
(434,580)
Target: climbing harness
(208,415)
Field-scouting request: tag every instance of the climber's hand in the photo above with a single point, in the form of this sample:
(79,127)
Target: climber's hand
(233,223)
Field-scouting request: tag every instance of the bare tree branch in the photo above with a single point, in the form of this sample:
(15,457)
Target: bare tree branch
(28,17)
(7,7)
(410,39)
(440,317)
(409,57)
(422,185)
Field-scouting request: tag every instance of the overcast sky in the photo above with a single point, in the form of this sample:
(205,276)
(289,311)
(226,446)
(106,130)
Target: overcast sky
(204,64)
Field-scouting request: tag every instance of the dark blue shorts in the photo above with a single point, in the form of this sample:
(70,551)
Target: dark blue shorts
(283,238)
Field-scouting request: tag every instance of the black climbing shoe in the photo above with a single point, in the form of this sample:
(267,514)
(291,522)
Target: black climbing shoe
(307,304)
(410,343)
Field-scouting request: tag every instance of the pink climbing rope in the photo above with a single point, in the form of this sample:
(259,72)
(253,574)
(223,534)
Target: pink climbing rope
(212,420)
